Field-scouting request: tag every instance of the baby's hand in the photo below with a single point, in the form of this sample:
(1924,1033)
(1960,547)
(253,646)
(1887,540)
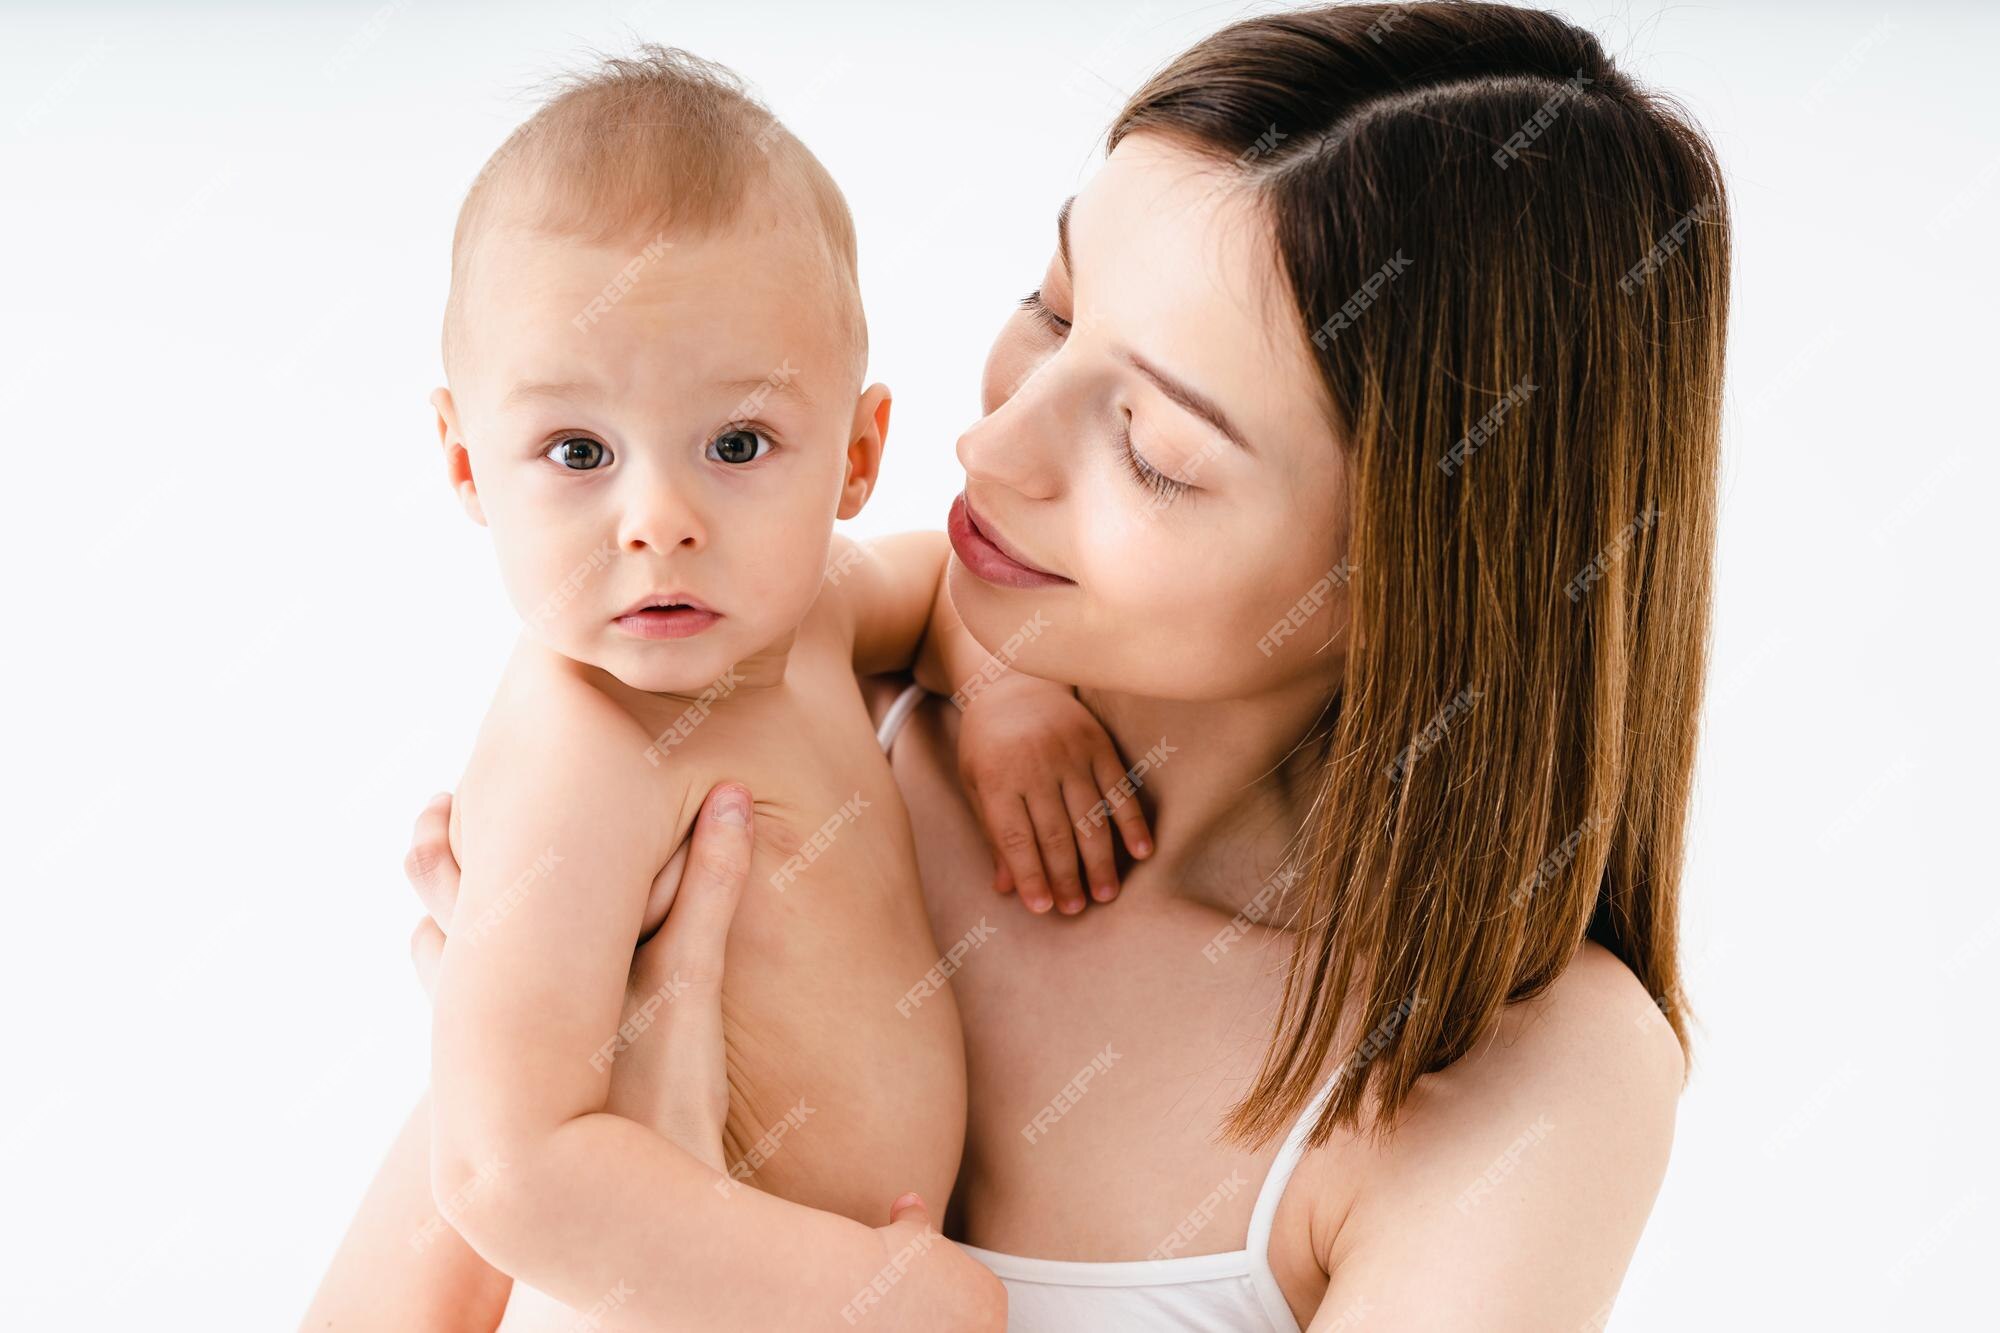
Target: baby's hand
(1048,784)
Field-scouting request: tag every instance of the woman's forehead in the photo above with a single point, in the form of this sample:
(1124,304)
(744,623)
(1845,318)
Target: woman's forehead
(1173,258)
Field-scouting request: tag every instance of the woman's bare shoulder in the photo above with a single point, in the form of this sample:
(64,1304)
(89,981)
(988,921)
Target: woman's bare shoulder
(1544,1145)
(1591,1046)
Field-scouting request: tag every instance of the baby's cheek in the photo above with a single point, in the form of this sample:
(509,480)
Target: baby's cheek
(558,593)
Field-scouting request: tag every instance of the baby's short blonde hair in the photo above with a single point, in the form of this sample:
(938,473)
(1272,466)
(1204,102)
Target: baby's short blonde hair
(658,141)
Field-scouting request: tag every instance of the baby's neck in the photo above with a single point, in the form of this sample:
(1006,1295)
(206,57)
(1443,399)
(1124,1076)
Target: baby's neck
(762,671)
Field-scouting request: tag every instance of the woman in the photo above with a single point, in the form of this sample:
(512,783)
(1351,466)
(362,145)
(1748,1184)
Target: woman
(1355,460)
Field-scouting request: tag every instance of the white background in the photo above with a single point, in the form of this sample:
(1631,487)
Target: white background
(248,631)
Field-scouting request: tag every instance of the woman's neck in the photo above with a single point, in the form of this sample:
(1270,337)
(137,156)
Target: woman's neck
(1226,786)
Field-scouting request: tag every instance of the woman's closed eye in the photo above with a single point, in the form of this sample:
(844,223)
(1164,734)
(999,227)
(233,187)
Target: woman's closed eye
(1046,317)
(1165,489)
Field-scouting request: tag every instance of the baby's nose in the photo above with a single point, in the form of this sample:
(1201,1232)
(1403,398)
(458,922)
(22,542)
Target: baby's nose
(658,519)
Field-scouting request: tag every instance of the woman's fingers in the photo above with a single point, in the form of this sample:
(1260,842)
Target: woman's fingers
(1131,820)
(426,949)
(718,861)
(429,866)
(679,1083)
(660,898)
(1100,866)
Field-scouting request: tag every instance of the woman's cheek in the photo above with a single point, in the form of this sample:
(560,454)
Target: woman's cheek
(1128,559)
(1016,355)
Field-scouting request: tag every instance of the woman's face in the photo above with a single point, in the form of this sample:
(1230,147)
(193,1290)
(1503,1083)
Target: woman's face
(1156,441)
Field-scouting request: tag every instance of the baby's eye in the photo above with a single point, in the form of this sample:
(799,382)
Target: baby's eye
(738,446)
(578,452)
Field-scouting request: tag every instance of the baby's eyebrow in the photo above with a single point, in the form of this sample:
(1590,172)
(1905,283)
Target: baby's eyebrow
(549,389)
(782,381)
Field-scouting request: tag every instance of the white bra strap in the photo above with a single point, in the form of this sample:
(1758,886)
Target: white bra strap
(892,721)
(1269,1294)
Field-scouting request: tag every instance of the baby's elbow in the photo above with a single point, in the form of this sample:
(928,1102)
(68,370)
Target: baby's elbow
(483,1184)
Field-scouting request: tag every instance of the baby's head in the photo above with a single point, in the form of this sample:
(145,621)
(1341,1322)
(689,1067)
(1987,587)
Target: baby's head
(655,346)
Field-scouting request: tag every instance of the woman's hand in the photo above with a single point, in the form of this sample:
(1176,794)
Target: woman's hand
(671,1076)
(668,1071)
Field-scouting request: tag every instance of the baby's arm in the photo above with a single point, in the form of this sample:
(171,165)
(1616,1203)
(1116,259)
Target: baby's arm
(560,838)
(892,592)
(1038,767)
(401,1265)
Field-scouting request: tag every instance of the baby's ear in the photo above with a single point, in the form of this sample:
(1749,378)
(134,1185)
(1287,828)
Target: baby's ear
(864,449)
(457,462)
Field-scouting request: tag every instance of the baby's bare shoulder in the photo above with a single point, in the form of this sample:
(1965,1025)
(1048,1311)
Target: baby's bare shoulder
(550,726)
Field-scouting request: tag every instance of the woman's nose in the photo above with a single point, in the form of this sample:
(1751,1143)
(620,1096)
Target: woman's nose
(1022,443)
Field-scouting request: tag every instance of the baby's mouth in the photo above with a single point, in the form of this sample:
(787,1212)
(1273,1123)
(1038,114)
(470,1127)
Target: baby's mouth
(668,617)
(669,601)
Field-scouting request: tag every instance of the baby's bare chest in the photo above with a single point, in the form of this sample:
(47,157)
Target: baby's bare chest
(830,935)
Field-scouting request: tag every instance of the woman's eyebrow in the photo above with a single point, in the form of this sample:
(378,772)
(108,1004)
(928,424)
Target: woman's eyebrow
(1181,393)
(1193,400)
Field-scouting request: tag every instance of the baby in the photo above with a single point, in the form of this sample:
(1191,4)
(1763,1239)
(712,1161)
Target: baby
(655,349)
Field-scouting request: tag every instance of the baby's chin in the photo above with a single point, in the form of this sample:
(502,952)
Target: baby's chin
(694,668)
(682,669)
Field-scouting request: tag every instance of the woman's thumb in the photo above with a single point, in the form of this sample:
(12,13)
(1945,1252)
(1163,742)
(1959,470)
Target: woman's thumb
(697,924)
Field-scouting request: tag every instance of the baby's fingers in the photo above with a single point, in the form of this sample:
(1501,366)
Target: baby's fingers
(1100,867)
(1056,835)
(1125,811)
(1012,833)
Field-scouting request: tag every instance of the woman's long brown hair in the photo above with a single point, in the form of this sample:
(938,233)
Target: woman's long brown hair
(1512,264)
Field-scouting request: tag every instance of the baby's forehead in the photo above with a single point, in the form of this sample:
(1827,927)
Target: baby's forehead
(757,268)
(724,273)
(729,310)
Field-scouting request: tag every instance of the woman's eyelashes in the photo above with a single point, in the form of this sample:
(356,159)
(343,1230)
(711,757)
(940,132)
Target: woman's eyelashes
(1047,318)
(1165,489)
(736,446)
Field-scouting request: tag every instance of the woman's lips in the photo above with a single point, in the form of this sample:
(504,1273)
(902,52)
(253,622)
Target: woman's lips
(679,623)
(985,558)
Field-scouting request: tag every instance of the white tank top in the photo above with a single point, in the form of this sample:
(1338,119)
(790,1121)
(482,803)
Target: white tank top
(1226,1292)
(899,711)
